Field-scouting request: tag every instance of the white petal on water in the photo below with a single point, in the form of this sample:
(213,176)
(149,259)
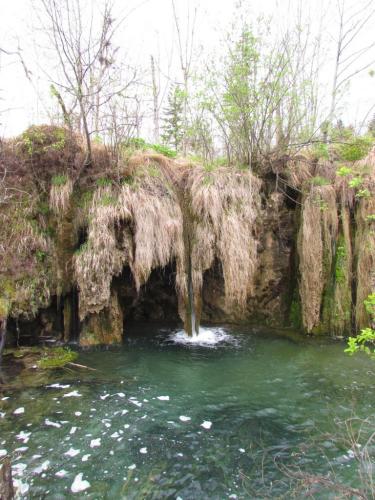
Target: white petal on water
(143,450)
(24,436)
(126,426)
(120,439)
(61,473)
(52,424)
(163,398)
(18,469)
(3,453)
(42,467)
(124,412)
(73,394)
(95,443)
(19,411)
(241,450)
(184,419)
(132,467)
(206,424)
(121,394)
(4,398)
(58,386)
(77,413)
(72,452)
(21,488)
(86,457)
(180,454)
(73,430)
(104,397)
(21,449)
(115,435)
(2,414)
(79,484)
(135,402)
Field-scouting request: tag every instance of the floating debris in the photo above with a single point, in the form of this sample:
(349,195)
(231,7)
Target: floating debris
(79,484)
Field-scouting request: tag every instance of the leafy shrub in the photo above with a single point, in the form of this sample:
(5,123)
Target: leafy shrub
(164,150)
(344,171)
(356,149)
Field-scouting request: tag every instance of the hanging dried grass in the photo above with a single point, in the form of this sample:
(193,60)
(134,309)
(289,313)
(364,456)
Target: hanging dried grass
(59,196)
(225,204)
(316,239)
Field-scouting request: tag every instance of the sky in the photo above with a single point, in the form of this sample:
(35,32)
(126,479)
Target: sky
(148,29)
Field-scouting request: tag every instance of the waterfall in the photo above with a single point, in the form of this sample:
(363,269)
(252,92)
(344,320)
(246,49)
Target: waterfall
(191,301)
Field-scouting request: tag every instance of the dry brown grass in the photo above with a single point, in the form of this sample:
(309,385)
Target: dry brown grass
(225,204)
(150,220)
(59,196)
(365,245)
(316,238)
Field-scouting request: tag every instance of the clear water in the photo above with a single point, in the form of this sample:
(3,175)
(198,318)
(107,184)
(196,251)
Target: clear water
(266,402)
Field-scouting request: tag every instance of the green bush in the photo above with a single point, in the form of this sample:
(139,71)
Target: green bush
(164,150)
(355,149)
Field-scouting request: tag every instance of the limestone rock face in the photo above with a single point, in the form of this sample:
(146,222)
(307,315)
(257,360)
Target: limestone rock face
(105,327)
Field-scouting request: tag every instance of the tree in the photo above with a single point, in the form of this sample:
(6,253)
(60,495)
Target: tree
(185,51)
(84,47)
(349,59)
(173,128)
(155,99)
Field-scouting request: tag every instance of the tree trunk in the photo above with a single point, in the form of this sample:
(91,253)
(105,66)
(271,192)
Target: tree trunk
(155,93)
(6,483)
(3,331)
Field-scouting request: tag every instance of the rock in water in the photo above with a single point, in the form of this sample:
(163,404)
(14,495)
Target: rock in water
(79,484)
(6,483)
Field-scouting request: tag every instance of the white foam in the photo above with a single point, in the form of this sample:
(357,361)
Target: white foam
(143,450)
(79,484)
(132,467)
(86,457)
(3,453)
(19,411)
(207,337)
(77,413)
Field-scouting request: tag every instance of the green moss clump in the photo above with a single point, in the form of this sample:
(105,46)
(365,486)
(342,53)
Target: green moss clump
(56,357)
(340,271)
(59,180)
(319,181)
